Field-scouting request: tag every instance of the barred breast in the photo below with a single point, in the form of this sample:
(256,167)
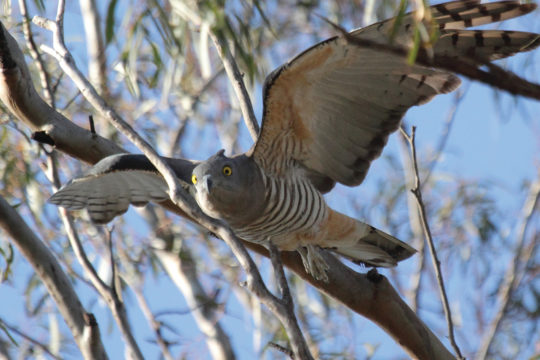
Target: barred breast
(293,207)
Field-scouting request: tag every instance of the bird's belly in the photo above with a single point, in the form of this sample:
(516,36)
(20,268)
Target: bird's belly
(282,239)
(290,220)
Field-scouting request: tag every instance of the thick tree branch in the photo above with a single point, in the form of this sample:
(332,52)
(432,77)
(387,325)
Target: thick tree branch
(376,300)
(85,332)
(97,62)
(17,92)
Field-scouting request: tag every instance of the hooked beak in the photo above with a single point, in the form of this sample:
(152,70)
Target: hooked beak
(206,183)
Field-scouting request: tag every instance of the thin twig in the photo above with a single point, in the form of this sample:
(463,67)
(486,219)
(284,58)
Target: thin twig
(237,80)
(27,337)
(511,278)
(416,278)
(115,287)
(427,232)
(43,73)
(282,349)
(154,324)
(416,227)
(298,342)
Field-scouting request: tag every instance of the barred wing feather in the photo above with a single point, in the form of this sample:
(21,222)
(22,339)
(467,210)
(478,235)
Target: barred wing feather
(332,108)
(117,181)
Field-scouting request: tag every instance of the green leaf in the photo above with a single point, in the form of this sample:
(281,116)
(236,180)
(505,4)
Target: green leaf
(109,23)
(9,256)
(257,4)
(399,19)
(6,331)
(40,5)
(413,53)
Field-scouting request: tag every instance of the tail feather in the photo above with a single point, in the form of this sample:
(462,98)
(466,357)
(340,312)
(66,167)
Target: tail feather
(486,45)
(377,248)
(363,243)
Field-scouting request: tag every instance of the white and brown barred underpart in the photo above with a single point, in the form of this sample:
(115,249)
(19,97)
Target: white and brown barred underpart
(293,205)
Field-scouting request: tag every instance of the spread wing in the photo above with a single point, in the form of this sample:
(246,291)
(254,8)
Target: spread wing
(117,181)
(332,108)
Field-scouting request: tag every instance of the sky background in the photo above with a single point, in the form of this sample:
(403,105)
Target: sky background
(494,138)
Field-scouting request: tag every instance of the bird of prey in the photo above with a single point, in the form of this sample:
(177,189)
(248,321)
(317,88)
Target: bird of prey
(327,115)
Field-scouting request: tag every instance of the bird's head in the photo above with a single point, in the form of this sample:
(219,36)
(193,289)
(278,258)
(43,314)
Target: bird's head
(230,189)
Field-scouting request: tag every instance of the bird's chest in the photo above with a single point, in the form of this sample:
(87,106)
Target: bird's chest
(294,209)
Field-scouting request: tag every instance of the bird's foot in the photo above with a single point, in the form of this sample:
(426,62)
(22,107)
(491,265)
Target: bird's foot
(313,262)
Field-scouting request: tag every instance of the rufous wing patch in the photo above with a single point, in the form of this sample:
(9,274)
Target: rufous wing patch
(286,104)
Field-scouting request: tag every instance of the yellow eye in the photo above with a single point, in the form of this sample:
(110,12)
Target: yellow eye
(194,179)
(227,171)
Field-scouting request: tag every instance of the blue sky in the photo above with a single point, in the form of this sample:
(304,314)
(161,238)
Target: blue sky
(493,138)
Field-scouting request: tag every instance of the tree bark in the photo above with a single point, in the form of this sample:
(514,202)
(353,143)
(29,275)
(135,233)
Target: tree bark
(83,326)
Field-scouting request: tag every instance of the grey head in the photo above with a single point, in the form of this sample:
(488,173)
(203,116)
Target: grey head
(230,189)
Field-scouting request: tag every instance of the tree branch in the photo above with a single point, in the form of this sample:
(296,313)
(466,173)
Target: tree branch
(97,62)
(28,338)
(182,270)
(416,226)
(43,73)
(17,92)
(427,232)
(298,342)
(511,277)
(85,333)
(237,81)
(375,300)
(106,292)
